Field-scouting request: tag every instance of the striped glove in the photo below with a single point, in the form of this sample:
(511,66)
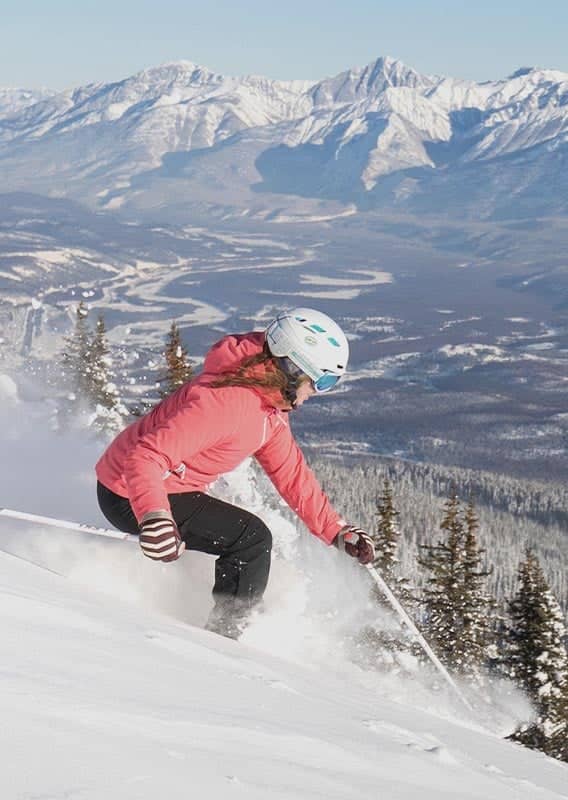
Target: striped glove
(356,543)
(159,537)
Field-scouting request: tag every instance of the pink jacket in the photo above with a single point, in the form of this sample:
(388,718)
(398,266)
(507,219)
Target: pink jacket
(200,432)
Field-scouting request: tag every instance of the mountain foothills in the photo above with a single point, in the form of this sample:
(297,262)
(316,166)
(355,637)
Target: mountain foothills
(178,136)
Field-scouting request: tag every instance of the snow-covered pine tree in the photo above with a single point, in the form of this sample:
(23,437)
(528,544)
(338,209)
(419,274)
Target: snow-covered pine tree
(387,541)
(387,533)
(101,391)
(108,412)
(443,593)
(382,641)
(453,597)
(76,367)
(476,603)
(538,661)
(76,355)
(178,368)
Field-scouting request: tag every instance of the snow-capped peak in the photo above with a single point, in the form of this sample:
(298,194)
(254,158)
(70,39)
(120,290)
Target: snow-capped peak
(181,73)
(368,81)
(367,122)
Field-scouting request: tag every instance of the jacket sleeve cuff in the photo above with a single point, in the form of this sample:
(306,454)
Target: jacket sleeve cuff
(330,534)
(160,513)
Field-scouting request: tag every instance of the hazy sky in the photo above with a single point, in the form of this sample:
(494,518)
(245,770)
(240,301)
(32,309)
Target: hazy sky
(62,43)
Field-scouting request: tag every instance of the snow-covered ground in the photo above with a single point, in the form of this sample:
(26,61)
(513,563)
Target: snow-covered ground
(107,699)
(111,689)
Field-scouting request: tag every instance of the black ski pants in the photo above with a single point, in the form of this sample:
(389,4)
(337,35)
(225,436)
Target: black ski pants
(241,540)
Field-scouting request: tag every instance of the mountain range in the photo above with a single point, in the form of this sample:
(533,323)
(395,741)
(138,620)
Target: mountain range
(179,138)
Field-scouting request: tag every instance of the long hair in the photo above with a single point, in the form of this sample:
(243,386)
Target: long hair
(271,377)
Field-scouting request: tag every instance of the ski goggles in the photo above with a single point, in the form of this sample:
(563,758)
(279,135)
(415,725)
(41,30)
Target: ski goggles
(325,382)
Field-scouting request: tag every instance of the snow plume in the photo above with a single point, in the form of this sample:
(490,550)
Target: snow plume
(317,600)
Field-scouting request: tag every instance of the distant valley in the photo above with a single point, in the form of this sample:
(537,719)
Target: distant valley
(459,349)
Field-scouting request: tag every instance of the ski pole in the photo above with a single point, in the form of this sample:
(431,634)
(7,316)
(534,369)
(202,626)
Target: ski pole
(78,527)
(383,586)
(27,560)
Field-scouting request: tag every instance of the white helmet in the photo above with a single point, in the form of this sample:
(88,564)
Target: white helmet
(313,342)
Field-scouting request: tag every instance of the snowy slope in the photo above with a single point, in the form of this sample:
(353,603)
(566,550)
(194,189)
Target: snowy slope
(181,134)
(109,690)
(106,699)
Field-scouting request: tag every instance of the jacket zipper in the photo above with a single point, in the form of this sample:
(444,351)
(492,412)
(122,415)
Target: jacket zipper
(264,424)
(179,471)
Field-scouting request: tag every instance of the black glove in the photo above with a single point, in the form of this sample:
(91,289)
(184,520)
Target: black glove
(159,537)
(356,543)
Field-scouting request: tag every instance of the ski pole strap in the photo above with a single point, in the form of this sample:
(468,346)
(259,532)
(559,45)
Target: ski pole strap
(78,527)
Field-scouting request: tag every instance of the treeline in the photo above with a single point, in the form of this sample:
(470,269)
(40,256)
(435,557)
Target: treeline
(545,501)
(522,638)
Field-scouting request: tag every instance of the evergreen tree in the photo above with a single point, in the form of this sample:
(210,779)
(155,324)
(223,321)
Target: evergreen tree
(443,595)
(538,661)
(384,640)
(102,393)
(101,390)
(387,536)
(387,541)
(179,370)
(476,603)
(76,364)
(455,599)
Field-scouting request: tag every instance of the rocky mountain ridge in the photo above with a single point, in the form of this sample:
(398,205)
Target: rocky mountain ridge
(178,136)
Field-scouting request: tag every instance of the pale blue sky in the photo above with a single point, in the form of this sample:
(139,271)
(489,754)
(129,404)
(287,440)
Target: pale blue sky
(66,43)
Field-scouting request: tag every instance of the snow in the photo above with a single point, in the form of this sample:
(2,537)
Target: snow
(372,278)
(114,700)
(373,120)
(330,294)
(114,203)
(481,353)
(542,346)
(111,689)
(348,211)
(14,100)
(8,391)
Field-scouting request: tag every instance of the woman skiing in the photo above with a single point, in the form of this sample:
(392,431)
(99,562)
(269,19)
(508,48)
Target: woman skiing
(154,476)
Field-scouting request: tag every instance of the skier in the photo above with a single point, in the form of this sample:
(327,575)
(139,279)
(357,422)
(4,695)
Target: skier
(153,478)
